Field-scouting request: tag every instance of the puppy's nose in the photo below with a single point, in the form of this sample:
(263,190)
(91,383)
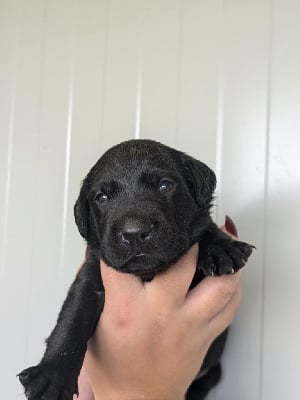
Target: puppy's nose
(136,232)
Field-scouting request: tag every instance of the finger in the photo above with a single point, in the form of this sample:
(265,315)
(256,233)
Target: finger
(211,295)
(223,229)
(118,280)
(121,289)
(173,284)
(85,389)
(225,317)
(230,228)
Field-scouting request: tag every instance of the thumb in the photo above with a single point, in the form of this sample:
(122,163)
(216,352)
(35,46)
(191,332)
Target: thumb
(211,295)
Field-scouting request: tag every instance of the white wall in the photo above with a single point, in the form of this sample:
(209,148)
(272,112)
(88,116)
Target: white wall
(218,79)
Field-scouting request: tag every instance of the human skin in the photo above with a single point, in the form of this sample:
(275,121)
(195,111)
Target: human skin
(152,337)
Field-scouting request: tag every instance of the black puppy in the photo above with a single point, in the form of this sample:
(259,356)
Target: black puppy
(141,207)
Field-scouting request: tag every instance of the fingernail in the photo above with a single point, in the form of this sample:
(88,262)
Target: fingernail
(230,226)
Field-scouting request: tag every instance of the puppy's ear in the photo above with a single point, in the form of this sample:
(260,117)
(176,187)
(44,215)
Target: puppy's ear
(81,212)
(202,180)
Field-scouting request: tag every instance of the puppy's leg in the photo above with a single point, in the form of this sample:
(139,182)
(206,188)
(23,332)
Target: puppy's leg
(55,377)
(219,254)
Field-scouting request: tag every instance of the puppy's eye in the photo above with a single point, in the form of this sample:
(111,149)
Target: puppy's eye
(101,197)
(166,185)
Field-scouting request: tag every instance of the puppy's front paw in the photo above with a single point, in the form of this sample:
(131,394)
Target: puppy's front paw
(224,257)
(47,383)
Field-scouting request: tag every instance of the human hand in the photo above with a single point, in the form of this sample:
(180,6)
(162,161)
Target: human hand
(152,337)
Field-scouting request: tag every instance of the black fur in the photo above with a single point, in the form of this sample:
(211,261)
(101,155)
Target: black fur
(141,207)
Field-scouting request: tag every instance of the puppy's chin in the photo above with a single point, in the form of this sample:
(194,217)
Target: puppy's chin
(142,265)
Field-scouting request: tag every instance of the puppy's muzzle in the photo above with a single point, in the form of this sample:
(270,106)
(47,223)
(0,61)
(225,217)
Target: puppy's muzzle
(135,232)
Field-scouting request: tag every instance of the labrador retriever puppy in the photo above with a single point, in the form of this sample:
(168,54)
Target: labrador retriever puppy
(140,208)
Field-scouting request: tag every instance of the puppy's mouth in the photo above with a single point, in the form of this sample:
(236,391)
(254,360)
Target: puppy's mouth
(139,255)
(143,266)
(140,261)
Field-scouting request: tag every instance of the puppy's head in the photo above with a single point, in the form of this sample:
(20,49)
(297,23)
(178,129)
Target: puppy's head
(143,205)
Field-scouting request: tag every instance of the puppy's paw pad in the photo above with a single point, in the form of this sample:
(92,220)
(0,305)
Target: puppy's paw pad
(42,382)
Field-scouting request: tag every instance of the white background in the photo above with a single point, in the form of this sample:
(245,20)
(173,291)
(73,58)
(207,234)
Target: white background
(217,79)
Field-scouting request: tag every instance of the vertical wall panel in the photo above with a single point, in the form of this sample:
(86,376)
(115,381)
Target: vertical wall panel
(46,274)
(160,43)
(281,348)
(199,78)
(88,63)
(10,21)
(123,38)
(20,188)
(242,173)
